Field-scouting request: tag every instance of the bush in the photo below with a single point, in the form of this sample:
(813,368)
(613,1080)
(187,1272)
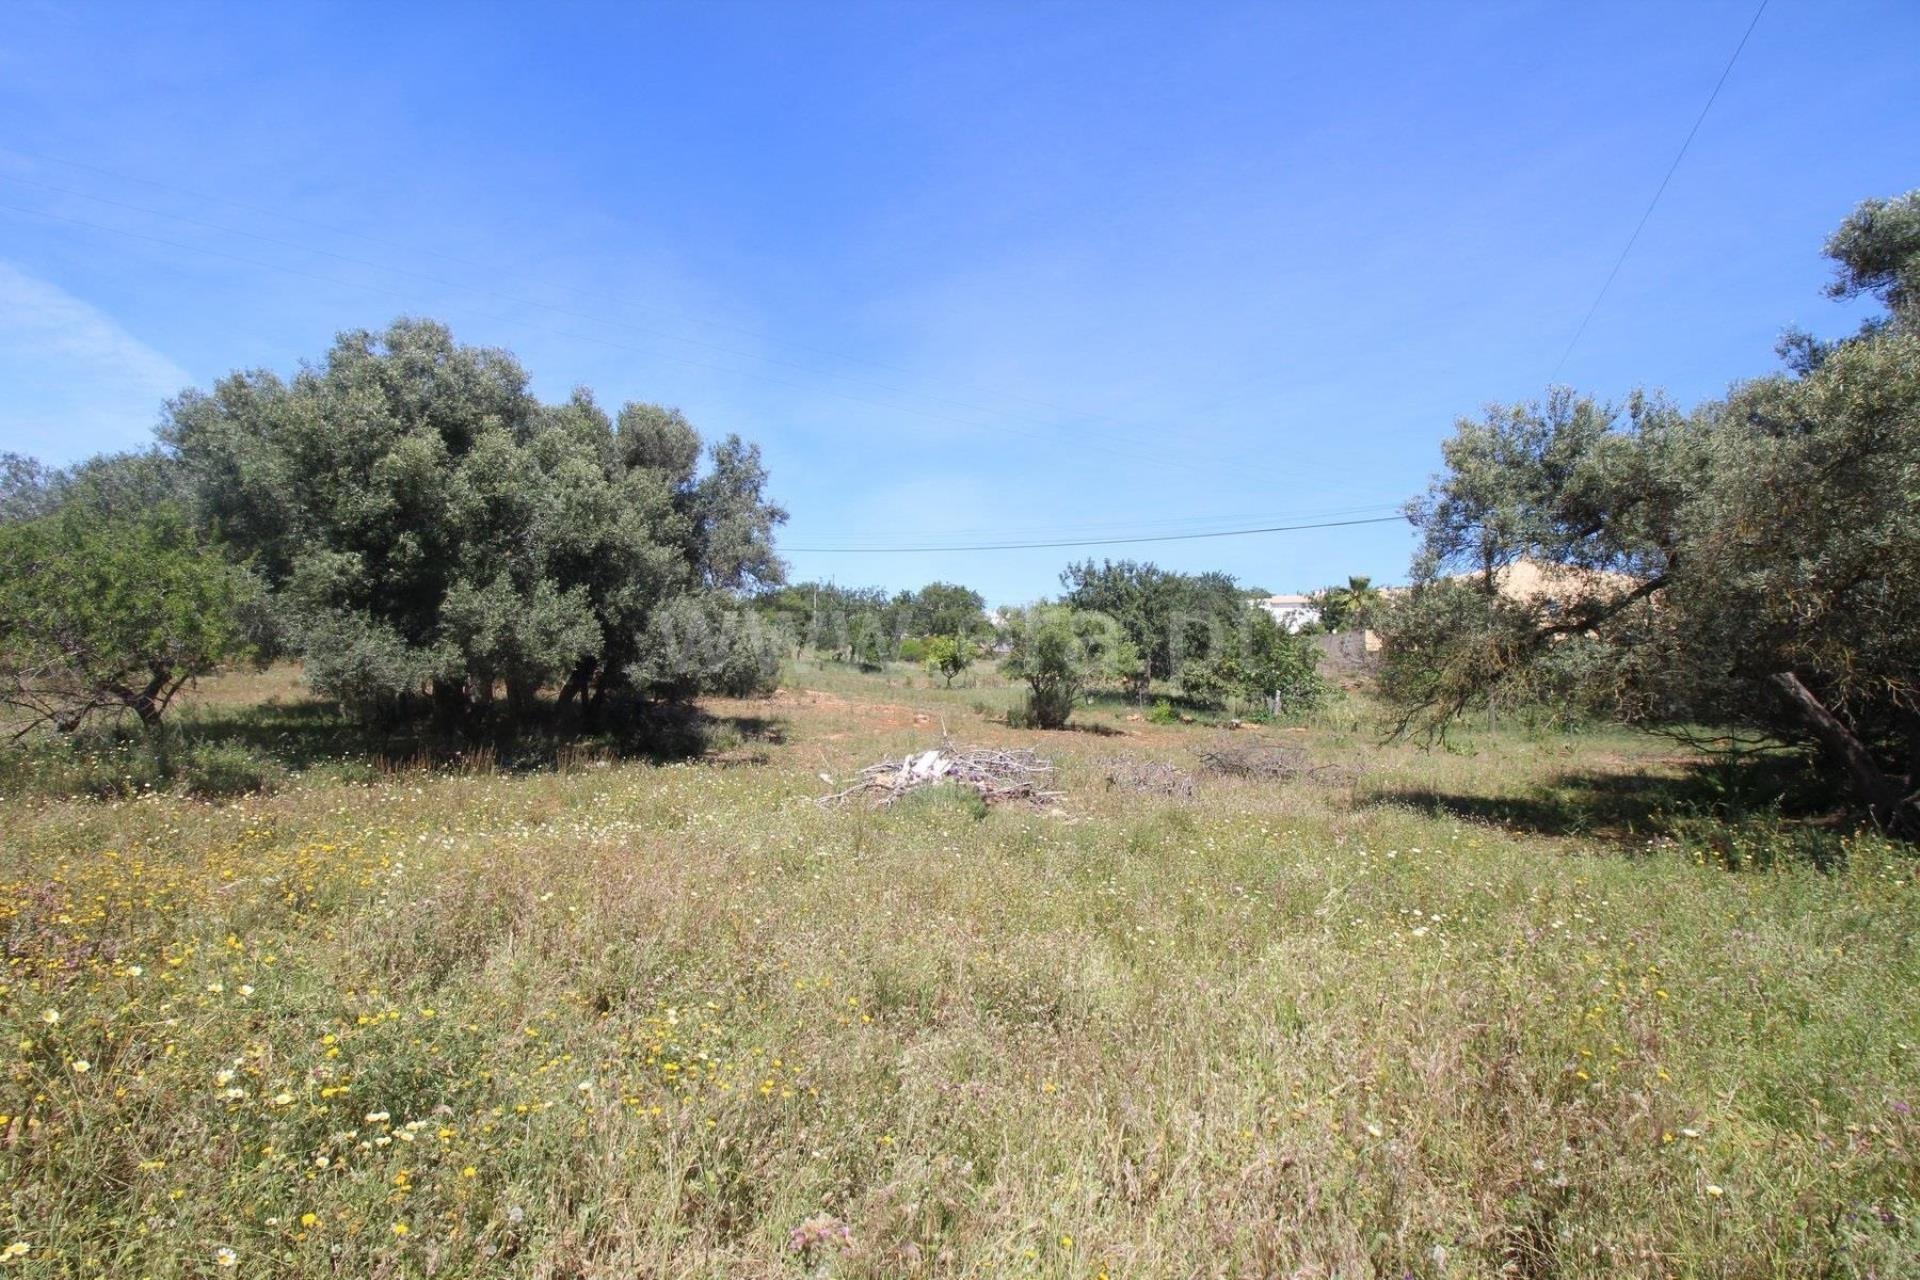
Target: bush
(219,770)
(119,762)
(947,656)
(694,646)
(103,609)
(1260,663)
(1163,713)
(362,665)
(1060,652)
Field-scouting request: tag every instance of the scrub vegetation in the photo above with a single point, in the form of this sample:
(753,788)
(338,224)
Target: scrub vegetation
(1539,1004)
(413,863)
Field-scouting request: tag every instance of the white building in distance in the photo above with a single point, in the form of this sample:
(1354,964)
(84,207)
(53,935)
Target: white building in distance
(1291,612)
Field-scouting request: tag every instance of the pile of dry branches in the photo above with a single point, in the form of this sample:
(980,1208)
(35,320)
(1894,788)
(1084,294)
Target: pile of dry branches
(999,775)
(1149,777)
(1250,758)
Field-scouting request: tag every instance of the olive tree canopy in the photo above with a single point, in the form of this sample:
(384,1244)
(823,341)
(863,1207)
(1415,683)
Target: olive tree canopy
(1753,563)
(426,522)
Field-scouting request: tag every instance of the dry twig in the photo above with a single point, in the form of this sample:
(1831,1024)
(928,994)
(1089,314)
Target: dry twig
(999,775)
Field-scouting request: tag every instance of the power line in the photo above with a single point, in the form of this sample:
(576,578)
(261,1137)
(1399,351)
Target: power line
(1124,528)
(1658,192)
(1094,542)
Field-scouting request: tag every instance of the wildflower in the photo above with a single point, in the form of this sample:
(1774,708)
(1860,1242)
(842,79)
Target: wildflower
(1066,1242)
(309,1219)
(469,1172)
(378,1117)
(283,1099)
(51,1017)
(820,1229)
(400,1229)
(134,971)
(81,1066)
(18,1249)
(246,988)
(225,1257)
(1715,1190)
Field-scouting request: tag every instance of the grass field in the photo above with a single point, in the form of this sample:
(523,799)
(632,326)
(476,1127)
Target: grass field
(1499,1009)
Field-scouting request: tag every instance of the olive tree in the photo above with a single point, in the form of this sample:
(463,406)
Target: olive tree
(1754,563)
(1060,652)
(425,522)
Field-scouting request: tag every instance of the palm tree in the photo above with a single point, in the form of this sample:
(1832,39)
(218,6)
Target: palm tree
(1350,606)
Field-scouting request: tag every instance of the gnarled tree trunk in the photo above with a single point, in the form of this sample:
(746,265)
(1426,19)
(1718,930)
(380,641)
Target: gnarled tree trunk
(150,702)
(1885,795)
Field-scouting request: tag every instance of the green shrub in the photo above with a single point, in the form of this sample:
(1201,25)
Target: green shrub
(219,770)
(946,798)
(1762,843)
(1260,663)
(1060,652)
(1163,713)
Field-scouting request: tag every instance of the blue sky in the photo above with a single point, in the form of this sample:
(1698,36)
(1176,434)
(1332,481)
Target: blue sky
(965,271)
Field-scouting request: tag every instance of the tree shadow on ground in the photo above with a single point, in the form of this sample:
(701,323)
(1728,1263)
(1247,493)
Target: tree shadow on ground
(214,750)
(1093,727)
(300,735)
(1630,807)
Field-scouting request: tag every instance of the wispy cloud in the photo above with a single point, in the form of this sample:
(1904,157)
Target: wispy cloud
(77,383)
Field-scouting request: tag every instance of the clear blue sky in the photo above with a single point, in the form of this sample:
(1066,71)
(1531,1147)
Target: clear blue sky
(965,269)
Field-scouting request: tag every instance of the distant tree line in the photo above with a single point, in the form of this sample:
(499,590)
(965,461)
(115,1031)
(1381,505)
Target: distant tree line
(1199,632)
(1751,564)
(410,521)
(869,626)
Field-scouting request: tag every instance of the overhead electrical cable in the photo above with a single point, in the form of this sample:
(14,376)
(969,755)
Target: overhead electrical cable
(1094,542)
(1117,528)
(1658,192)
